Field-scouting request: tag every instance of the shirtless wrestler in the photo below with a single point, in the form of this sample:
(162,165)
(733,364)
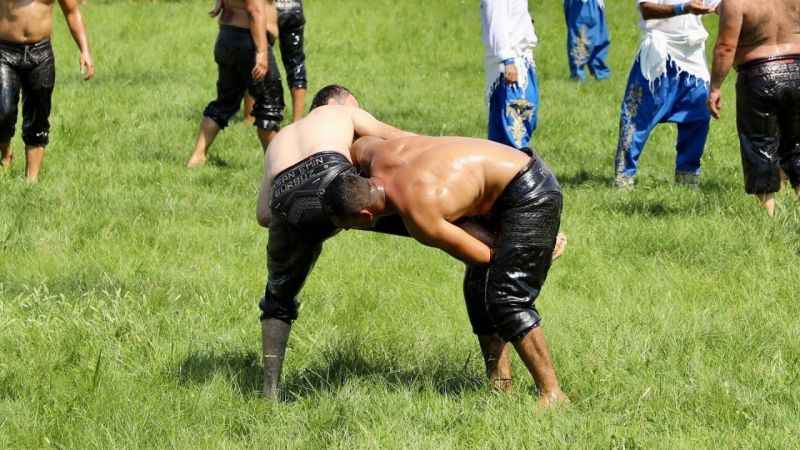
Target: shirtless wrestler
(27,65)
(762,38)
(300,162)
(245,63)
(433,183)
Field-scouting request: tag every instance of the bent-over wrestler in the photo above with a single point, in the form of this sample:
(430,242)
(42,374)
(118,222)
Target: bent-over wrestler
(27,65)
(302,159)
(432,183)
(762,38)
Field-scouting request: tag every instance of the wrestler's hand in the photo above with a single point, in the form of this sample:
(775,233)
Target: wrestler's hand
(261,67)
(87,66)
(698,8)
(511,73)
(217,9)
(715,102)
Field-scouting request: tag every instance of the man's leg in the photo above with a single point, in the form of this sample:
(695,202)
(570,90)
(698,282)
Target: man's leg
(37,96)
(291,255)
(268,108)
(692,138)
(577,46)
(9,98)
(639,115)
(759,141)
(292,27)
(34,155)
(534,352)
(233,76)
(205,137)
(493,348)
(249,103)
(298,103)
(514,109)
(498,363)
(790,134)
(6,156)
(602,42)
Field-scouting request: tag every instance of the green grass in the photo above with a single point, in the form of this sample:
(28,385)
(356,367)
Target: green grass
(128,285)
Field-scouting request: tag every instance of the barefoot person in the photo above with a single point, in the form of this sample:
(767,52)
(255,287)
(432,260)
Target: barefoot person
(27,65)
(245,64)
(302,159)
(433,183)
(762,38)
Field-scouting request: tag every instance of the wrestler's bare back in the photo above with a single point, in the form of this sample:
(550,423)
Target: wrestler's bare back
(234,13)
(458,177)
(27,21)
(769,28)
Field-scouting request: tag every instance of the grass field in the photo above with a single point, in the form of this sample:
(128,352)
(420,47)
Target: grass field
(129,285)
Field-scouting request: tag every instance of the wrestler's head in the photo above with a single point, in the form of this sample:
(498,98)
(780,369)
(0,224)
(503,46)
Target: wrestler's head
(334,94)
(354,201)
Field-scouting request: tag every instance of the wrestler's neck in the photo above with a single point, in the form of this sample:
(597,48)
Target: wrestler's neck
(380,204)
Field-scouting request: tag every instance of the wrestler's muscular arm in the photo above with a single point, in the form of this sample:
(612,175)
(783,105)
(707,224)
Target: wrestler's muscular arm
(75,23)
(365,124)
(657,11)
(429,227)
(730,28)
(258,30)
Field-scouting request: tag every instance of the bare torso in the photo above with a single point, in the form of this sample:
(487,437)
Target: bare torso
(26,21)
(235,14)
(325,129)
(769,28)
(460,177)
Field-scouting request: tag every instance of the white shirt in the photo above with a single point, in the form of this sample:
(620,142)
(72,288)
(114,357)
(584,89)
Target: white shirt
(507,29)
(680,38)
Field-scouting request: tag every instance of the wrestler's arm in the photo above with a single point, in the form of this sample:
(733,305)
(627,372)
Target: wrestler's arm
(78,30)
(730,27)
(258,30)
(656,11)
(364,124)
(217,8)
(427,226)
(362,151)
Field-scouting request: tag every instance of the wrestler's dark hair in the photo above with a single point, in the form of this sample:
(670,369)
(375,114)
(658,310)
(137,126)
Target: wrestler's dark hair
(331,91)
(347,195)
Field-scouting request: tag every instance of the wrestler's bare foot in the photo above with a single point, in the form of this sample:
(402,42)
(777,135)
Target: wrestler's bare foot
(34,155)
(767,201)
(6,162)
(553,399)
(561,246)
(7,157)
(197,160)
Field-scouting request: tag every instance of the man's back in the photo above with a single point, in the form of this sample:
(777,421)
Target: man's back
(25,21)
(327,128)
(235,13)
(459,176)
(769,28)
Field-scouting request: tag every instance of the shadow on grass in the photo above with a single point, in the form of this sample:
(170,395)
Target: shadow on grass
(242,369)
(650,208)
(342,365)
(334,369)
(584,177)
